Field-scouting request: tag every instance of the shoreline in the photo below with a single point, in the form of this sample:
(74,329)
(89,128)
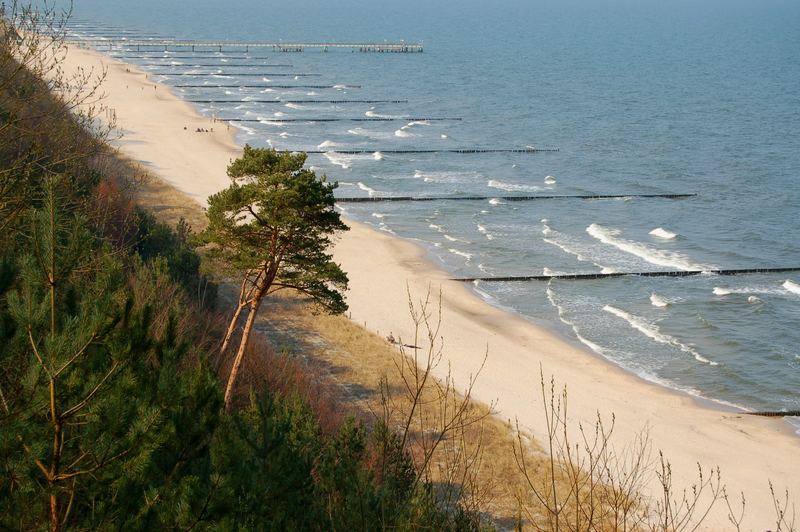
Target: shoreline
(748,450)
(563,332)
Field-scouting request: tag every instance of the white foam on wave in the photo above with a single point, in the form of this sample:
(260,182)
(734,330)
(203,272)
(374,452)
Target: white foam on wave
(383,227)
(378,156)
(663,233)
(512,187)
(653,256)
(652,331)
(438,228)
(278,114)
(443,136)
(482,229)
(460,253)
(284,134)
(658,301)
(373,114)
(369,190)
(455,239)
(753,299)
(312,93)
(555,238)
(418,123)
(725,291)
(549,180)
(378,215)
(340,87)
(447,177)
(326,144)
(496,201)
(358,131)
(265,79)
(610,354)
(249,131)
(338,160)
(791,286)
(267,90)
(402,133)
(293,106)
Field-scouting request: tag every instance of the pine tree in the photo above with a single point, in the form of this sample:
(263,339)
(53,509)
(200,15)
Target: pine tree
(273,226)
(101,423)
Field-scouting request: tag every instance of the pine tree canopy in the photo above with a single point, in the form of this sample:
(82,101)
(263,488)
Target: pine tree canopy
(277,218)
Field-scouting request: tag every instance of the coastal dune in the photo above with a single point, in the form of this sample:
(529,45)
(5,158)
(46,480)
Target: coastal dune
(160,132)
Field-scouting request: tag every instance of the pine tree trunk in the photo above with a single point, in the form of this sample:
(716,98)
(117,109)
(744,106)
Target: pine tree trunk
(237,362)
(231,328)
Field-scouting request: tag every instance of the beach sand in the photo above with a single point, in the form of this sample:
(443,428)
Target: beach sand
(160,133)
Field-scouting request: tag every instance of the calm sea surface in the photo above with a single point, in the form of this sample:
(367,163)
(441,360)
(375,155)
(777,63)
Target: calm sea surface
(641,97)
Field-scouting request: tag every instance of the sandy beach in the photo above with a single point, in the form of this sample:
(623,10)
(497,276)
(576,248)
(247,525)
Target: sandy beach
(160,132)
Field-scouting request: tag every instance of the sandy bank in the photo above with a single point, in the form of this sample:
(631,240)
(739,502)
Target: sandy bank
(160,132)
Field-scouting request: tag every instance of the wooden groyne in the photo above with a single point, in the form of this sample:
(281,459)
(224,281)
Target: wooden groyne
(379,199)
(243,74)
(226,65)
(592,276)
(201,86)
(775,413)
(454,150)
(195,45)
(346,119)
(277,102)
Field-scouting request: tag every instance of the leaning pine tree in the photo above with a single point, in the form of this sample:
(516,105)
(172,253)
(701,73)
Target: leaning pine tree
(274,226)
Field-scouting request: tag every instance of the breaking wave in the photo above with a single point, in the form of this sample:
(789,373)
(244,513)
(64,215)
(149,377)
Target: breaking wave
(652,331)
(663,233)
(658,257)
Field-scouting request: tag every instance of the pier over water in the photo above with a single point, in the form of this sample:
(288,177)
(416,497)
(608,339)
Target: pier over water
(223,45)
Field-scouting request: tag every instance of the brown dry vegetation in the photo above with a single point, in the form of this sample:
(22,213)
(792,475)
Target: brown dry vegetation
(336,360)
(458,446)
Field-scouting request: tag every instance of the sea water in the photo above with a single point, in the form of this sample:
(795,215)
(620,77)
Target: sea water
(640,97)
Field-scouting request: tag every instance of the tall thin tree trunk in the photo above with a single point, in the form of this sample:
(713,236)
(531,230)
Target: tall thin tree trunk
(237,362)
(232,327)
(244,296)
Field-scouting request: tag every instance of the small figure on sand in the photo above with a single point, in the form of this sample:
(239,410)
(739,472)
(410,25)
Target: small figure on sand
(391,339)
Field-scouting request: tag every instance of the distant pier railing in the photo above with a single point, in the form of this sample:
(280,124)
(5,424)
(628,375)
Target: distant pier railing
(167,44)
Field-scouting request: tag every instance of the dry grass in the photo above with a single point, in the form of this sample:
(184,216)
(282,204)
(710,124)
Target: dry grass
(335,361)
(358,361)
(364,364)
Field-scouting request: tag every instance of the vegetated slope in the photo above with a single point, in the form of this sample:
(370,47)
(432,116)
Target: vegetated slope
(110,405)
